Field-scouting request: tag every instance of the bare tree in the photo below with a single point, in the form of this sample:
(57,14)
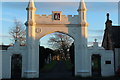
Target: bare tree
(18,32)
(61,42)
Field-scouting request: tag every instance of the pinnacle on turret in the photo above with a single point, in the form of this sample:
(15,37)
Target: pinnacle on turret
(31,4)
(108,21)
(31,13)
(82,6)
(82,13)
(107,16)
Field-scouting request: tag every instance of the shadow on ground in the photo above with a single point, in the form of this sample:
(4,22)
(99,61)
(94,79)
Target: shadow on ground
(61,73)
(73,78)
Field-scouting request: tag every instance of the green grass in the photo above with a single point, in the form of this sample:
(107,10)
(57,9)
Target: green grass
(68,65)
(48,67)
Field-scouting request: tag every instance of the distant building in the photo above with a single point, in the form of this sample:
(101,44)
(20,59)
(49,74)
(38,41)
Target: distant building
(4,47)
(111,40)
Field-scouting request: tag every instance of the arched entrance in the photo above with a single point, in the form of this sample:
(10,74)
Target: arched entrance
(56,58)
(96,65)
(16,66)
(40,25)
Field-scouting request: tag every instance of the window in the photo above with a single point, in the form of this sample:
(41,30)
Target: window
(56,16)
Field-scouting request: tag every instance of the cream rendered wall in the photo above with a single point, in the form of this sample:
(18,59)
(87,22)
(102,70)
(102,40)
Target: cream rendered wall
(64,19)
(73,30)
(69,25)
(39,26)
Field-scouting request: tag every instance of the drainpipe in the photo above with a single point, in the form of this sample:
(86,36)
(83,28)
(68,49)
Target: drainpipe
(114,61)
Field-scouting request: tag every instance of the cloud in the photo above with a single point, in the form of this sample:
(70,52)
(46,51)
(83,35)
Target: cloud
(7,14)
(92,37)
(5,36)
(6,19)
(12,20)
(96,31)
(95,36)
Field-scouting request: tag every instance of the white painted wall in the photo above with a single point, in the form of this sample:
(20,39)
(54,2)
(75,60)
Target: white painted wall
(0,64)
(6,65)
(106,55)
(6,60)
(107,69)
(117,58)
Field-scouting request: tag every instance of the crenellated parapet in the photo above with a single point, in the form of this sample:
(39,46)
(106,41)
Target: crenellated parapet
(50,19)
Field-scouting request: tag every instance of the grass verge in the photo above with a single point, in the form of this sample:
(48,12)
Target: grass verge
(68,65)
(48,67)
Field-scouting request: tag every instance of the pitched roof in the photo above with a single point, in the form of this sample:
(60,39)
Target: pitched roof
(115,36)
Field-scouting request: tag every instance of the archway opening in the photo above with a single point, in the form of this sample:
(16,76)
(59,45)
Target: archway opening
(56,55)
(16,66)
(96,65)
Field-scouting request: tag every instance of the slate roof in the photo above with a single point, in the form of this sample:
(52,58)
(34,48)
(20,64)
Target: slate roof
(115,36)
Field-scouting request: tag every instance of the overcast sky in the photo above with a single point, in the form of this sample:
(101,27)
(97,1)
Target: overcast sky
(96,15)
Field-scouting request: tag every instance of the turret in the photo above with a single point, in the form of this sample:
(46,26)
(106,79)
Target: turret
(82,12)
(82,67)
(30,37)
(31,12)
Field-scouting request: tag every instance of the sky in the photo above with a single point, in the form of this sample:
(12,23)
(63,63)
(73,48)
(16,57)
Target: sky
(61,0)
(96,15)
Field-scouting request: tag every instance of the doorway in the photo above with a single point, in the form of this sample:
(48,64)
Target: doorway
(96,65)
(16,66)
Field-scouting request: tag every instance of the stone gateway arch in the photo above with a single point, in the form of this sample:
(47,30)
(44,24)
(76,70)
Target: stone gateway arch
(38,26)
(19,61)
